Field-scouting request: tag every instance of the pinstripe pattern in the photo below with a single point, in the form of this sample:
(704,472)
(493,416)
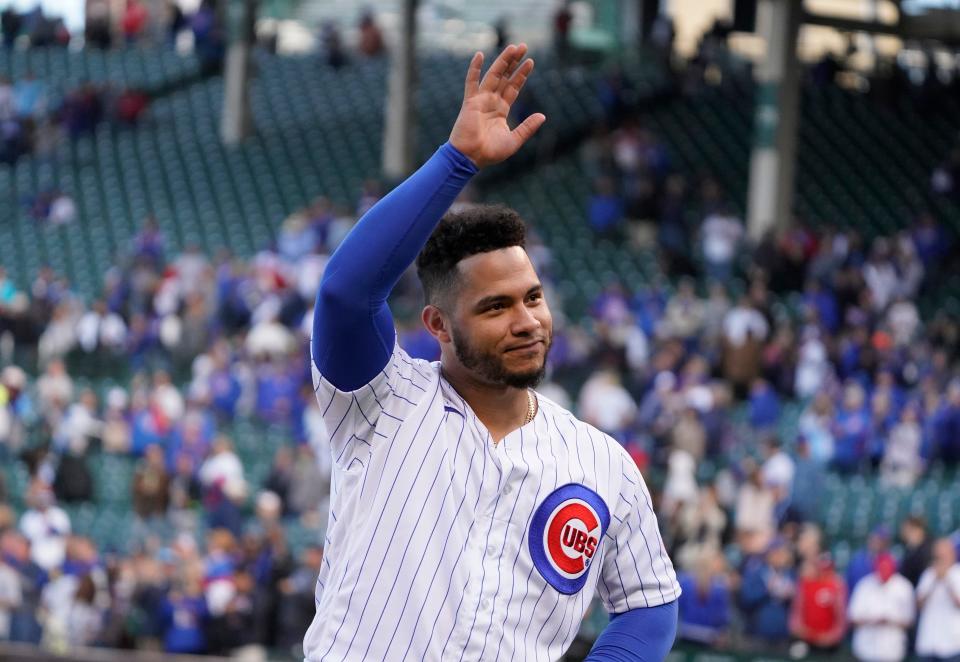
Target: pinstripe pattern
(426,554)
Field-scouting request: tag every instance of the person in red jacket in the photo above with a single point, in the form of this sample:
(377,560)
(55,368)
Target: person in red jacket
(818,616)
(134,21)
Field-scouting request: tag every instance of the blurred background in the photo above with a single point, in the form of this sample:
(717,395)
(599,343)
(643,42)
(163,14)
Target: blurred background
(745,213)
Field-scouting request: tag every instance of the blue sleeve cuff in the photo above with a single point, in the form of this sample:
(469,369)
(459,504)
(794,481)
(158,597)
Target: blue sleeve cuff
(459,159)
(638,635)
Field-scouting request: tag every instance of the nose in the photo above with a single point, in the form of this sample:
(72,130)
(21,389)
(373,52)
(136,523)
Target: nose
(525,322)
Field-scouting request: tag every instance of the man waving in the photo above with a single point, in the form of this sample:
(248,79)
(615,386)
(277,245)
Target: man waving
(471,518)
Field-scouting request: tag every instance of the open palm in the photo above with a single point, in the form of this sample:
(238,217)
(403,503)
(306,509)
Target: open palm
(481,131)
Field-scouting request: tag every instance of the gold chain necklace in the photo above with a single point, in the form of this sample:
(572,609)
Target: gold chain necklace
(531,407)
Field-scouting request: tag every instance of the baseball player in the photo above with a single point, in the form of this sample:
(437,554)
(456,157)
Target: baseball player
(471,518)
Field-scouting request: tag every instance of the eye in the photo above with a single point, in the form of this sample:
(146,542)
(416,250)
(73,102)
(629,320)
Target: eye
(536,296)
(496,306)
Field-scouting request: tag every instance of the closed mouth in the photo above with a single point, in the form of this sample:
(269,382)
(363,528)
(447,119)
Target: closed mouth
(529,345)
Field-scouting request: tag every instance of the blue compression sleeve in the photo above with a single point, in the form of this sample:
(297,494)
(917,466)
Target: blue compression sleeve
(353,332)
(638,635)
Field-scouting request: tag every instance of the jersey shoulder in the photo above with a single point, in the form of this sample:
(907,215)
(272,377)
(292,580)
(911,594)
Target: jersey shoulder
(588,433)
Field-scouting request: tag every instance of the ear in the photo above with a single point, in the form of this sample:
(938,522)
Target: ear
(436,323)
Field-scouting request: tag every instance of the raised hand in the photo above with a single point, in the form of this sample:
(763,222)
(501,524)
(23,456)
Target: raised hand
(481,131)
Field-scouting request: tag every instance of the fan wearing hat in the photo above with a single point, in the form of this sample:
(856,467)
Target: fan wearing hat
(881,612)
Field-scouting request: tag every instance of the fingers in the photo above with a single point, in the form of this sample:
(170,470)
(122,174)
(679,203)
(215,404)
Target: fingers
(515,63)
(500,66)
(516,82)
(473,74)
(529,126)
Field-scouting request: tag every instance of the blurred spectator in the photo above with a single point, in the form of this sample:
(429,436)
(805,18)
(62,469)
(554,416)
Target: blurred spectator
(79,425)
(562,20)
(10,23)
(880,275)
(684,315)
(605,403)
(280,477)
(945,442)
(689,435)
(705,602)
(84,619)
(222,467)
(371,39)
(755,508)
(235,631)
(698,527)
(917,548)
(310,483)
(818,614)
(864,560)
(744,331)
(767,590)
(151,484)
(16,552)
(74,482)
(130,106)
(938,602)
(184,615)
(850,429)
(7,111)
(208,37)
(11,596)
(605,209)
(55,387)
(332,44)
(134,21)
(808,484)
(816,426)
(720,235)
(813,367)
(98,33)
(501,28)
(764,405)
(297,604)
(116,424)
(29,96)
(881,612)
(174,22)
(778,470)
(681,484)
(101,328)
(902,463)
(46,526)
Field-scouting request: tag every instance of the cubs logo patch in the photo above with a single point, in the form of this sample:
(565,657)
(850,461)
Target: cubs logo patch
(565,535)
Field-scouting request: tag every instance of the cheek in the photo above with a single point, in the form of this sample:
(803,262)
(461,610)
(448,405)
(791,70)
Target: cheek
(484,334)
(546,319)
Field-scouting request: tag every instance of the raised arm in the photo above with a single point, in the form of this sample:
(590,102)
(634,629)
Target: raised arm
(353,331)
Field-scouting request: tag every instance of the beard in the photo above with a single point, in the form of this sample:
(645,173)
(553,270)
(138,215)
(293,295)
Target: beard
(491,367)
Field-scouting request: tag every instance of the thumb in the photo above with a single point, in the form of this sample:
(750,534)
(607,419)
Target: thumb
(529,126)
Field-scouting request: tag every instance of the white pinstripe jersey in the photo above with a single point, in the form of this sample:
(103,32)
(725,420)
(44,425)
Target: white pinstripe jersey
(444,546)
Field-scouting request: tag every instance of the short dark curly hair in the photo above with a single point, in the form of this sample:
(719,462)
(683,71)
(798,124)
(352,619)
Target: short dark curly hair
(460,234)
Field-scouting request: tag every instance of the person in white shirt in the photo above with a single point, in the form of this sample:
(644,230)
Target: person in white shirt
(222,466)
(11,597)
(605,403)
(720,234)
(778,468)
(881,611)
(47,527)
(938,598)
(744,319)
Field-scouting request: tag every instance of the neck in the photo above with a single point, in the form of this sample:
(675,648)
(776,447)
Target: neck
(501,409)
